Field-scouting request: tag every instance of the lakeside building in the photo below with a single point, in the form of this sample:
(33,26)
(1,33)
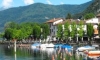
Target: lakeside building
(95,21)
(54,22)
(53,26)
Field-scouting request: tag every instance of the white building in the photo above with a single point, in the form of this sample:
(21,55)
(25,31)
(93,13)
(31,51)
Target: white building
(54,22)
(53,25)
(93,21)
(98,16)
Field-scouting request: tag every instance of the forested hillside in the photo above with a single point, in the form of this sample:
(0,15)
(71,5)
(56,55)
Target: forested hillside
(39,12)
(93,8)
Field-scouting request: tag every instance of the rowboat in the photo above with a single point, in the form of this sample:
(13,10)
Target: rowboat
(94,54)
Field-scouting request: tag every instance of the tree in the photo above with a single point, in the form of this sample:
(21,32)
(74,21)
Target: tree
(66,30)
(2,35)
(90,30)
(80,29)
(68,16)
(15,34)
(45,30)
(60,31)
(23,34)
(8,34)
(89,16)
(73,30)
(26,29)
(12,25)
(99,29)
(36,31)
(11,34)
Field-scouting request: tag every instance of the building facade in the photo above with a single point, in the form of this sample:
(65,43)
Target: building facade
(54,22)
(53,26)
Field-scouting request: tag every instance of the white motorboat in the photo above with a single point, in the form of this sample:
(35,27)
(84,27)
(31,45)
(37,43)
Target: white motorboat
(46,45)
(85,48)
(35,45)
(50,45)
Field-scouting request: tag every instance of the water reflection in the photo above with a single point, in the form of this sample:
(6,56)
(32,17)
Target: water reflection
(23,53)
(15,57)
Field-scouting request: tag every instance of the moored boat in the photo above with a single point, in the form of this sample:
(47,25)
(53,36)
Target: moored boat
(94,54)
(85,48)
(67,47)
(35,45)
(46,45)
(58,45)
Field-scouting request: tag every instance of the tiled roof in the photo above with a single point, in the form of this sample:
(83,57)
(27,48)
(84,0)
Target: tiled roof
(70,21)
(53,20)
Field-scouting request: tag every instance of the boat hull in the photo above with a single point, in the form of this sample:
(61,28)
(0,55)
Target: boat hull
(93,54)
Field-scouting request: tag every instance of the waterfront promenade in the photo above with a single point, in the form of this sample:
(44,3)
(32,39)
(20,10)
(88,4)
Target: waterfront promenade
(29,43)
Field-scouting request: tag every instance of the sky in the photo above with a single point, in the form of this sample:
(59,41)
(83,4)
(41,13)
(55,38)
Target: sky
(16,3)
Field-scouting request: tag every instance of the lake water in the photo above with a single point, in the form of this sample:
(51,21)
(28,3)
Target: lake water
(29,54)
(23,54)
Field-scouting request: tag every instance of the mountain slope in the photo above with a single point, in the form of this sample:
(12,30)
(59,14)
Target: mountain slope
(93,8)
(39,12)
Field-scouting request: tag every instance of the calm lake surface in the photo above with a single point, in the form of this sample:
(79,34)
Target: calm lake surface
(24,54)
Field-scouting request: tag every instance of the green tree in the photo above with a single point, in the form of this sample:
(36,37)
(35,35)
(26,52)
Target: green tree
(80,31)
(45,30)
(12,25)
(36,31)
(90,30)
(89,16)
(26,29)
(23,34)
(11,34)
(60,31)
(66,30)
(15,33)
(68,16)
(8,34)
(99,29)
(2,35)
(73,30)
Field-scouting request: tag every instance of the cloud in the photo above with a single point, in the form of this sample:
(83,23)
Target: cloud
(61,3)
(28,2)
(49,2)
(7,3)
